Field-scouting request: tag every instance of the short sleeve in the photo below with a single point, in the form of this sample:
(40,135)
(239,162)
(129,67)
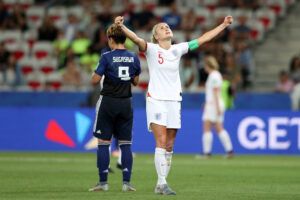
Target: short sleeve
(102,64)
(150,48)
(216,82)
(137,66)
(183,48)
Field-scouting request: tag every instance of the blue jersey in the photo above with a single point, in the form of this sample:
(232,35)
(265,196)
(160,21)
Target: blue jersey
(119,67)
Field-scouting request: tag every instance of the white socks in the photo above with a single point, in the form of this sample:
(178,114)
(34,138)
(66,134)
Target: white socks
(207,140)
(169,162)
(120,157)
(225,139)
(160,165)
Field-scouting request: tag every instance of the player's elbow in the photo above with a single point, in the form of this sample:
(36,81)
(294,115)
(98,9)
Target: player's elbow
(135,81)
(95,79)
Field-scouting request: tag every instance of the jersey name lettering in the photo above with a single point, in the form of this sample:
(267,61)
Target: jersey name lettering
(123,59)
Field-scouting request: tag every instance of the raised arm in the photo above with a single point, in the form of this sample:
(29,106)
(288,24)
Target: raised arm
(211,34)
(141,43)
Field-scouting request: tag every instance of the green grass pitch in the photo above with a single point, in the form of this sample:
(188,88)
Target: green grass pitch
(69,175)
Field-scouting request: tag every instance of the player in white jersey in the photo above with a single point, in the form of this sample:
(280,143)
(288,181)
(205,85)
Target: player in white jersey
(164,90)
(214,109)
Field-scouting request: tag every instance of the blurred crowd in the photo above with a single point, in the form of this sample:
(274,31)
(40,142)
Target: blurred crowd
(76,32)
(289,82)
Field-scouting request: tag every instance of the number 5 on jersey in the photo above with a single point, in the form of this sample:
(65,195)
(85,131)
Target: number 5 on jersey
(160,58)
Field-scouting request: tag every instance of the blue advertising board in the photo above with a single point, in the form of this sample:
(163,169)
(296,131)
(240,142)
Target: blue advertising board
(70,129)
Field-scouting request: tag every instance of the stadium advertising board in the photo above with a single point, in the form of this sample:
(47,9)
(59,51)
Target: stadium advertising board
(44,129)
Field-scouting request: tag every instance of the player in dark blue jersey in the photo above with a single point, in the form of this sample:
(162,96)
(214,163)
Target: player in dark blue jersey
(114,115)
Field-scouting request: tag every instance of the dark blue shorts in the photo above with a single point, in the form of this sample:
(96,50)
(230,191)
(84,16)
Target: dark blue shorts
(114,117)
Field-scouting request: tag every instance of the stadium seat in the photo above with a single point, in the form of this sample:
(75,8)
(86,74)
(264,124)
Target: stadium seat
(76,10)
(267,17)
(278,7)
(42,50)
(160,11)
(58,15)
(210,4)
(11,36)
(203,16)
(35,16)
(47,66)
(35,81)
(221,13)
(19,49)
(144,35)
(257,30)
(178,36)
(188,4)
(30,36)
(8,4)
(27,65)
(26,3)
(242,13)
(54,81)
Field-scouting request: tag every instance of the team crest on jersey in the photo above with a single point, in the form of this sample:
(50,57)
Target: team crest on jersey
(175,52)
(158,116)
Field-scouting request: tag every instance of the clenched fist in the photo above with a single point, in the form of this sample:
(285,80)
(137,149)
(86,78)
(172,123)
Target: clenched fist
(228,20)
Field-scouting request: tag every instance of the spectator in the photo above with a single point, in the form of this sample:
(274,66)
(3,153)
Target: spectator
(295,97)
(16,19)
(145,19)
(187,74)
(189,20)
(3,13)
(47,32)
(71,27)
(106,16)
(173,18)
(295,69)
(100,40)
(71,75)
(284,84)
(89,60)
(80,44)
(242,30)
(4,57)
(12,75)
(244,62)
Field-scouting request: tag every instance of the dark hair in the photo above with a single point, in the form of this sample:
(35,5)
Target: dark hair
(116,33)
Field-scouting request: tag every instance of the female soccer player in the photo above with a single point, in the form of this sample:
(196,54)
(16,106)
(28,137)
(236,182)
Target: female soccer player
(214,109)
(114,114)
(164,91)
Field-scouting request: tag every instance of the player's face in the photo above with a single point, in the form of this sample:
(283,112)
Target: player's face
(207,68)
(163,32)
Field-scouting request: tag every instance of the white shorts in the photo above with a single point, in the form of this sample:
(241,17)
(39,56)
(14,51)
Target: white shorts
(210,113)
(165,113)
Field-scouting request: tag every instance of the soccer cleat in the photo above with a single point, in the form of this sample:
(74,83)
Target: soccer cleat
(164,190)
(99,187)
(110,170)
(229,155)
(127,187)
(119,166)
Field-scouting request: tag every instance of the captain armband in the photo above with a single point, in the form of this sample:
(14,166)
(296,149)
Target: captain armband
(194,44)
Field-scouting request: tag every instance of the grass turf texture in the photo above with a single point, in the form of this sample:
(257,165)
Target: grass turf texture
(69,175)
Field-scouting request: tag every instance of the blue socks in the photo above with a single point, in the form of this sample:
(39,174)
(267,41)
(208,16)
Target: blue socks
(103,159)
(126,161)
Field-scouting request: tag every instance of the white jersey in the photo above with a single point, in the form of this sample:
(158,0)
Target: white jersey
(214,80)
(163,67)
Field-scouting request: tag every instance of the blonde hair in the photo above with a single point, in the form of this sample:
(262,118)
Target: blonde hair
(212,62)
(153,39)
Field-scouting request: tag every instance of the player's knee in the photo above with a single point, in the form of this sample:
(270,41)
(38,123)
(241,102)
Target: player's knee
(104,142)
(169,146)
(124,142)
